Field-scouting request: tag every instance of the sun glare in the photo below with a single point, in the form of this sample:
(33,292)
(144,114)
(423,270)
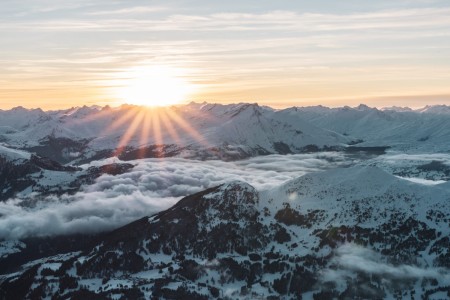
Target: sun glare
(153,86)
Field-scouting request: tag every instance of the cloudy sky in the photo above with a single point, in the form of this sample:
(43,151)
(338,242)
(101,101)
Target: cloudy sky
(55,54)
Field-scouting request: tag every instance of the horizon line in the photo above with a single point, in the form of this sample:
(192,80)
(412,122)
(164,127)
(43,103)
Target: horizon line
(196,102)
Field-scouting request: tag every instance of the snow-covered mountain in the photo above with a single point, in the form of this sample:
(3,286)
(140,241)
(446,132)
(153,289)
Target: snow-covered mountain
(29,176)
(422,130)
(435,109)
(41,145)
(81,135)
(227,132)
(347,233)
(365,224)
(194,130)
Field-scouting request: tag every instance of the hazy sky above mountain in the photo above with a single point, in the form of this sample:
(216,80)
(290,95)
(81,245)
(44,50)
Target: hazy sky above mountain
(281,53)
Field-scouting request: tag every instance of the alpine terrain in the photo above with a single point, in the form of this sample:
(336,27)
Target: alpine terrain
(235,201)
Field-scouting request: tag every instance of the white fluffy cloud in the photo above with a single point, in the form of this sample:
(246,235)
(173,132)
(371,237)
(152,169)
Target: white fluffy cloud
(151,186)
(350,258)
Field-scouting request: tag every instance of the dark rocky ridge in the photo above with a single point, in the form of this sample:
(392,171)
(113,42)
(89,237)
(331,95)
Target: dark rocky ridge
(17,176)
(227,238)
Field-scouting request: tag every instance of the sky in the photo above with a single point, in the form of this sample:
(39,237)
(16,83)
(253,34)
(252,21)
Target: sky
(58,54)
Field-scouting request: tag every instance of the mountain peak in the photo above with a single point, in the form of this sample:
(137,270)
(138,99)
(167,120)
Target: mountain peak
(435,109)
(236,185)
(363,107)
(236,199)
(19,108)
(249,108)
(397,109)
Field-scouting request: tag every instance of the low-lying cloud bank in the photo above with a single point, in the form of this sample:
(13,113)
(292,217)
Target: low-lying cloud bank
(351,258)
(151,186)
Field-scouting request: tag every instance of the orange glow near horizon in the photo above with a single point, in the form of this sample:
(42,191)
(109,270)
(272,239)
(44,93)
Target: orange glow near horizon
(157,85)
(276,98)
(59,55)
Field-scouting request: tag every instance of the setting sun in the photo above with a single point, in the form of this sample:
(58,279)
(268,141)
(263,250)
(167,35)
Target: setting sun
(153,86)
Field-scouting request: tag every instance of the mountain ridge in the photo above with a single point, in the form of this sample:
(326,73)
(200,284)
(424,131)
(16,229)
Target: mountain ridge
(206,131)
(211,131)
(286,242)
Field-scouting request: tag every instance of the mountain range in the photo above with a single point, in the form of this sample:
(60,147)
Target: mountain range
(199,131)
(205,130)
(347,233)
(365,218)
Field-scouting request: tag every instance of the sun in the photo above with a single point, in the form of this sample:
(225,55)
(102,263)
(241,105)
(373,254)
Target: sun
(153,85)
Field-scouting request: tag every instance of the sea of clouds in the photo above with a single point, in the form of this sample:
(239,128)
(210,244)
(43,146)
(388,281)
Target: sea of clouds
(151,186)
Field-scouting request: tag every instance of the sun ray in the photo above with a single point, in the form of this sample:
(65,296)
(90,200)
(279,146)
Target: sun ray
(187,128)
(167,123)
(151,126)
(129,134)
(122,120)
(146,126)
(147,121)
(157,129)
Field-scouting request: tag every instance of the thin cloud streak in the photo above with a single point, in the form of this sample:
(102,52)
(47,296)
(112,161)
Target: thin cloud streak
(270,56)
(130,10)
(273,21)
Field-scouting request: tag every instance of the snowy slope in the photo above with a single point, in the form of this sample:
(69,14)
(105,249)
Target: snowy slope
(339,191)
(237,130)
(355,232)
(202,130)
(30,177)
(253,126)
(431,167)
(435,109)
(14,155)
(424,130)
